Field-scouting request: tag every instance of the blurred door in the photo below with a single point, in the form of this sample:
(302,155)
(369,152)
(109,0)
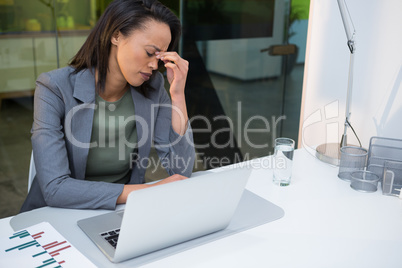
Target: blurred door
(243,77)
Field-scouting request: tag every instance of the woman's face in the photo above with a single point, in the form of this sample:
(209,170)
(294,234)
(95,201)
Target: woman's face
(133,57)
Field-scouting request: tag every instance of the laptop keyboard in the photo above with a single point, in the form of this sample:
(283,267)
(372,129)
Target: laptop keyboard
(111,237)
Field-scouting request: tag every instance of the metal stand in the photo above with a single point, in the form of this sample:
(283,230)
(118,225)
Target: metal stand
(330,152)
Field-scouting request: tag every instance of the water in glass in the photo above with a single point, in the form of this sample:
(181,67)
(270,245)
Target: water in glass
(283,164)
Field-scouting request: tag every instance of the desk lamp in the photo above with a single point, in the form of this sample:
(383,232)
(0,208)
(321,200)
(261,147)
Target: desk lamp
(330,152)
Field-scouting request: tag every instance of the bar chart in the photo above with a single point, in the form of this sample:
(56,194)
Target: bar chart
(40,246)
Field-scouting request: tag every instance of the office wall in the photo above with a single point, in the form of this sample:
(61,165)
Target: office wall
(376,108)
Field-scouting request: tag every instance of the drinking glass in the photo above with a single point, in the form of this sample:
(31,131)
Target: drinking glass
(283,159)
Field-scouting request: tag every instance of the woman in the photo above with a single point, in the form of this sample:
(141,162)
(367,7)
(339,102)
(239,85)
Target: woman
(94,120)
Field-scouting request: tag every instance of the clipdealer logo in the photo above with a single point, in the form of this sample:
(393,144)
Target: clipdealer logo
(236,130)
(329,115)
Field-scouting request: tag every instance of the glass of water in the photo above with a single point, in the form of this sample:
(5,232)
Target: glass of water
(283,159)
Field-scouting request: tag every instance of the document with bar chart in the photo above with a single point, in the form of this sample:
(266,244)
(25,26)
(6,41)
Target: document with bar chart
(40,246)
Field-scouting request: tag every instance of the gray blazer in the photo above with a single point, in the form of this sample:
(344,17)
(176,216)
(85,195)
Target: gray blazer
(61,132)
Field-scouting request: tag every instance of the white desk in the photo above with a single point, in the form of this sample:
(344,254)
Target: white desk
(326,224)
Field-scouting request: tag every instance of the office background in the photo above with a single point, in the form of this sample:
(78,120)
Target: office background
(229,76)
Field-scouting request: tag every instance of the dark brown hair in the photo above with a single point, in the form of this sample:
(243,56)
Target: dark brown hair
(124,16)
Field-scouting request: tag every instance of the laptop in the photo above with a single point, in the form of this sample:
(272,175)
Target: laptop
(158,217)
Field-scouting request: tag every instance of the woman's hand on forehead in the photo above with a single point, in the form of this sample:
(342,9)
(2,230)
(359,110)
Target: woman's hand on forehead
(176,68)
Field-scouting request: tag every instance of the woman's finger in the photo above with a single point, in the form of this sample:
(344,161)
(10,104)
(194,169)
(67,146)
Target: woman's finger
(172,57)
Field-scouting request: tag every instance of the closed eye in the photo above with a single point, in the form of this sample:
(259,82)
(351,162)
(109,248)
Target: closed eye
(149,54)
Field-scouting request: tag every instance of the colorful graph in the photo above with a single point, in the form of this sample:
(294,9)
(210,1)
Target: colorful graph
(40,246)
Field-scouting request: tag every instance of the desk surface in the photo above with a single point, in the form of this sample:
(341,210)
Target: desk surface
(326,224)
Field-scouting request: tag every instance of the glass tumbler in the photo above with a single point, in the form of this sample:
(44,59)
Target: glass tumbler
(283,160)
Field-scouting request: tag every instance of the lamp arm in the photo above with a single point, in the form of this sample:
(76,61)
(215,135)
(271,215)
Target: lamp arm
(348,26)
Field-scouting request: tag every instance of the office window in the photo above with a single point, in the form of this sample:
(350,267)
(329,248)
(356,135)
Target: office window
(245,80)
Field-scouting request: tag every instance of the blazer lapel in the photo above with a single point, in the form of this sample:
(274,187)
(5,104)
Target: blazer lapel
(142,107)
(81,124)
